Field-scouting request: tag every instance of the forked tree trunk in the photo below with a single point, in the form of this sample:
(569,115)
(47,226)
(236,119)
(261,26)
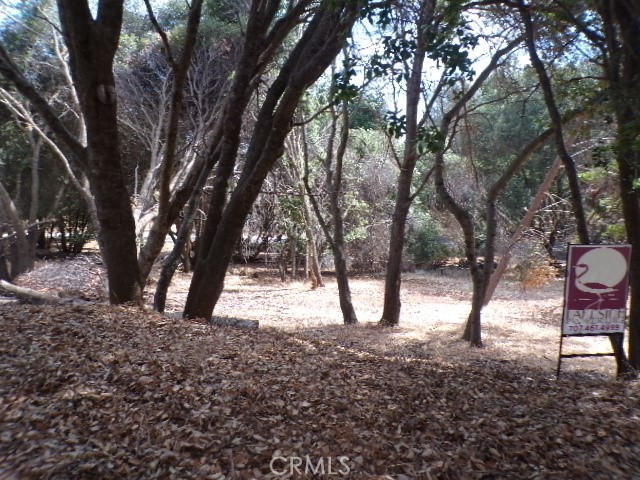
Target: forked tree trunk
(92,44)
(480,277)
(180,68)
(524,224)
(320,42)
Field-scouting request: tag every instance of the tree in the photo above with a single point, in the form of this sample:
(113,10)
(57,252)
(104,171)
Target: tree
(480,276)
(334,171)
(297,156)
(92,44)
(179,69)
(321,40)
(611,30)
(333,158)
(439,32)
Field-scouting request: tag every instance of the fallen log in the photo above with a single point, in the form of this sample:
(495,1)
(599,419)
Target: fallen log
(31,296)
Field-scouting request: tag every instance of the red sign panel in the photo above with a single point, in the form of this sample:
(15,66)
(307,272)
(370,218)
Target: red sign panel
(596,289)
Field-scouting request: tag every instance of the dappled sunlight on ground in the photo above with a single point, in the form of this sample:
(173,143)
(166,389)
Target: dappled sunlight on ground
(518,325)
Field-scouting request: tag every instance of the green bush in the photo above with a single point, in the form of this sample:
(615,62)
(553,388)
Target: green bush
(425,242)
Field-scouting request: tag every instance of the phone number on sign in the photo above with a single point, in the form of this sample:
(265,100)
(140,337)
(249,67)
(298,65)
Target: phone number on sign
(597,327)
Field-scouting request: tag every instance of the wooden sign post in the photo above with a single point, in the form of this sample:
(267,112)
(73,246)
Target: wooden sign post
(595,294)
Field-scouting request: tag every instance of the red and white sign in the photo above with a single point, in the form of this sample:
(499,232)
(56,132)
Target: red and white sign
(596,289)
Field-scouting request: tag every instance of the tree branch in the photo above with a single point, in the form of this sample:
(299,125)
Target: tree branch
(11,72)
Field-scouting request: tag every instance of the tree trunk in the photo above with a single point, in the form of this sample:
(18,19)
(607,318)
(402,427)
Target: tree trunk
(626,85)
(480,277)
(171,262)
(393,277)
(338,244)
(570,168)
(556,120)
(501,185)
(36,147)
(20,261)
(315,273)
(526,222)
(92,45)
(164,220)
(319,44)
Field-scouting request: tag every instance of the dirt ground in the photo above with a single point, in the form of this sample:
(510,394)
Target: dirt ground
(90,391)
(520,325)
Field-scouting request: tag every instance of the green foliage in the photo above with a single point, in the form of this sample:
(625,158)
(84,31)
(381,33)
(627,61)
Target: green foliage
(430,140)
(343,90)
(615,233)
(367,111)
(291,207)
(396,124)
(359,212)
(425,242)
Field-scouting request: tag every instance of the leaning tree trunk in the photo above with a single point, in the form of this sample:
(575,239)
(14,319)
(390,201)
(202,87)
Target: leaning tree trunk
(319,44)
(393,276)
(172,261)
(180,68)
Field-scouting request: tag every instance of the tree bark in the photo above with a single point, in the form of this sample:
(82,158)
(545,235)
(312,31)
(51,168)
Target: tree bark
(624,78)
(393,277)
(171,262)
(31,296)
(338,243)
(163,222)
(318,46)
(315,273)
(20,261)
(92,44)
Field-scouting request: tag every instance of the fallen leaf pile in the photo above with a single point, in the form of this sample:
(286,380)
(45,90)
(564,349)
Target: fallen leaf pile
(79,276)
(96,392)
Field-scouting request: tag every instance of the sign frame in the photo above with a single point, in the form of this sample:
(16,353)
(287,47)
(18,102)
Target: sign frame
(595,295)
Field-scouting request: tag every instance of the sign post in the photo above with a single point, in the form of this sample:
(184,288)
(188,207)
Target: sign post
(595,295)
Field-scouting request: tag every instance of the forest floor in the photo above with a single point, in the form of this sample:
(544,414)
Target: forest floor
(93,391)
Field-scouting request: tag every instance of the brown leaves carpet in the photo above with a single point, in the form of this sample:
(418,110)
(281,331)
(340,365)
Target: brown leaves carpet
(95,392)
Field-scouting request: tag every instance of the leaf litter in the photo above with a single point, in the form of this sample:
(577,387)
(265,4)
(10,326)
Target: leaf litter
(93,391)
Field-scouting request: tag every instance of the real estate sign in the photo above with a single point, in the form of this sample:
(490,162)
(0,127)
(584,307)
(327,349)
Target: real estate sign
(596,288)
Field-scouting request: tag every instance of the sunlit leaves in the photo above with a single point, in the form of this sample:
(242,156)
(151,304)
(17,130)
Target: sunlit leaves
(446,39)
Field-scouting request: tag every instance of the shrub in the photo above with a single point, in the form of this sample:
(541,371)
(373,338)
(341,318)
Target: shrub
(425,242)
